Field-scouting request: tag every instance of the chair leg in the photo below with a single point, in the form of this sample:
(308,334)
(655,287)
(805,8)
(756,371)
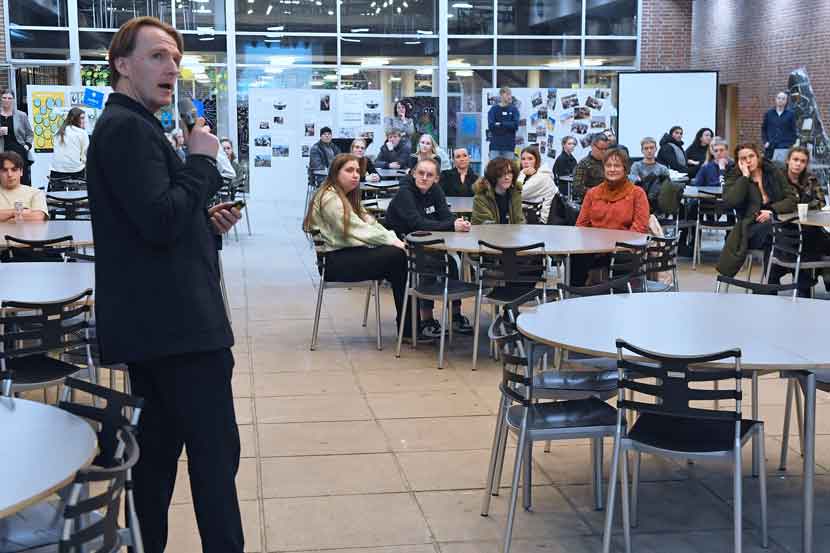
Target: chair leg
(248,219)
(320,288)
(755,414)
(596,470)
(785,433)
(527,477)
(624,499)
(403,321)
(494,457)
(547,446)
(737,499)
(799,417)
(696,249)
(500,456)
(376,287)
(762,485)
(514,490)
(444,309)
(476,330)
(635,488)
(611,496)
(369,290)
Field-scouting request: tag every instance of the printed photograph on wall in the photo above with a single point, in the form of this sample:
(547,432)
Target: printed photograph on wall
(263,125)
(325,102)
(263,140)
(309,129)
(280,150)
(262,160)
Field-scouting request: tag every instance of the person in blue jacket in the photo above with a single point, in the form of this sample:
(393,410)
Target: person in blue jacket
(778,129)
(503,122)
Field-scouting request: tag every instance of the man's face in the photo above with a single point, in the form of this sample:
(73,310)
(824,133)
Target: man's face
(649,149)
(781,100)
(325,138)
(598,149)
(149,74)
(425,176)
(394,139)
(720,151)
(461,158)
(677,134)
(10,175)
(506,98)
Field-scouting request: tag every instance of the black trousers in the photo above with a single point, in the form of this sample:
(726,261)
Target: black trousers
(188,402)
(382,262)
(582,263)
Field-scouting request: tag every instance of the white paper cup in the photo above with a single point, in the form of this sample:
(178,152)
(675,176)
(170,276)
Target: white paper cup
(802,212)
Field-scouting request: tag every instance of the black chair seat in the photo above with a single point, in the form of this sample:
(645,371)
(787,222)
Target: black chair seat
(687,435)
(37,369)
(436,288)
(575,413)
(588,381)
(512,294)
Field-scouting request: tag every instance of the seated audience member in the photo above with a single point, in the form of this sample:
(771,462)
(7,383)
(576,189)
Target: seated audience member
(671,153)
(420,204)
(32,199)
(714,171)
(178,143)
(227,147)
(323,152)
(367,168)
(612,141)
(359,248)
(698,152)
(565,164)
(816,240)
(427,149)
(617,204)
(648,174)
(394,153)
(589,171)
(536,181)
(459,180)
(757,191)
(498,198)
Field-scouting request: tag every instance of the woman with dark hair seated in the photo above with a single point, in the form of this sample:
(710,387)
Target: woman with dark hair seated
(498,199)
(616,203)
(757,191)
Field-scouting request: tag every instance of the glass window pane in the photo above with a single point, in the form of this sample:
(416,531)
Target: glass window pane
(286,50)
(208,48)
(94,44)
(466,52)
(538,79)
(464,111)
(611,18)
(194,14)
(393,51)
(470,17)
(291,16)
(42,13)
(39,45)
(208,84)
(549,53)
(111,14)
(540,17)
(389,16)
(610,52)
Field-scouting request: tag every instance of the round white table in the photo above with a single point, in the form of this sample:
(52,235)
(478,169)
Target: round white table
(45,447)
(81,231)
(42,282)
(709,192)
(815,218)
(392,173)
(773,332)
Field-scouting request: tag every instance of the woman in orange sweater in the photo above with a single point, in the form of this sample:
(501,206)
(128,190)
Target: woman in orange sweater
(616,203)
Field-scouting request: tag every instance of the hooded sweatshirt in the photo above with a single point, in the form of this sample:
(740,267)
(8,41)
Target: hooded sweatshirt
(671,154)
(539,187)
(412,210)
(696,152)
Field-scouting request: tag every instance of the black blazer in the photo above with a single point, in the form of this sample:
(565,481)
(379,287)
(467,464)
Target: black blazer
(451,182)
(156,267)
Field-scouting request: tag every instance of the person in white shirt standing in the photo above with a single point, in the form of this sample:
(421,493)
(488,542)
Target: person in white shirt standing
(70,145)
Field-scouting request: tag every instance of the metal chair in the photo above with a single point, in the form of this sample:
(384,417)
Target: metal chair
(712,214)
(788,250)
(51,250)
(30,332)
(324,283)
(428,277)
(68,209)
(521,412)
(669,424)
(532,212)
(65,184)
(242,185)
(660,257)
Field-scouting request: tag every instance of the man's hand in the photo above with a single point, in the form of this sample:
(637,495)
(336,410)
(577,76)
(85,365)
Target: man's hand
(766,145)
(201,142)
(722,164)
(763,216)
(462,225)
(223,217)
(394,165)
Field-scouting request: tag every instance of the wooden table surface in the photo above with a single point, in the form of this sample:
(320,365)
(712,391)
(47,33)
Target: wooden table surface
(558,240)
(45,447)
(81,231)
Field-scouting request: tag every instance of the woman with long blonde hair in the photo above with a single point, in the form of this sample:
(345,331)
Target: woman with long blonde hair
(357,247)
(427,149)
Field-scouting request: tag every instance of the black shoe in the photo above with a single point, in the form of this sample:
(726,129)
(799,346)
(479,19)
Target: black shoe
(429,330)
(461,324)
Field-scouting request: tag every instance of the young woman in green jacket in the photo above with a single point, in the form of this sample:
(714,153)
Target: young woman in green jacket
(498,199)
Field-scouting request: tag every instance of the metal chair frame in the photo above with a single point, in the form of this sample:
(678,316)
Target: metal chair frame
(717,209)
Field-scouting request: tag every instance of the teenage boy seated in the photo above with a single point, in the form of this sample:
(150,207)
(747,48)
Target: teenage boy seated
(648,174)
(11,191)
(420,204)
(394,154)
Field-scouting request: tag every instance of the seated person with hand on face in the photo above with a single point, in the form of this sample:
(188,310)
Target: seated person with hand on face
(394,154)
(714,171)
(367,168)
(12,192)
(420,204)
(459,180)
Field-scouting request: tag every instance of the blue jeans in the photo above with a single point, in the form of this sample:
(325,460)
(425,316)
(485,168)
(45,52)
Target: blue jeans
(506,154)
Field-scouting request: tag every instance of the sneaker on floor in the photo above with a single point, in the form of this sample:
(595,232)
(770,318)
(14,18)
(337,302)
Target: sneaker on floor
(461,324)
(429,330)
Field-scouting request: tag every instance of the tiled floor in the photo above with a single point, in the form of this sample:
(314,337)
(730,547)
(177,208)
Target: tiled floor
(349,449)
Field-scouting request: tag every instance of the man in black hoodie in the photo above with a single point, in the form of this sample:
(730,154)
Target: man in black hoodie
(420,204)
(672,154)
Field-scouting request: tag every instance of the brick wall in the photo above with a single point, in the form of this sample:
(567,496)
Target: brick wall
(666,39)
(754,44)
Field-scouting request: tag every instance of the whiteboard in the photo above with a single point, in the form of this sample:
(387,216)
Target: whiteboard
(649,104)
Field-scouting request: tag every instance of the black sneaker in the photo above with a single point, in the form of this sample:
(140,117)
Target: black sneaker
(429,330)
(461,324)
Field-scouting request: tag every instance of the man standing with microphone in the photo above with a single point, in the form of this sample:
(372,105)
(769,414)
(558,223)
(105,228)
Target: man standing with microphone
(158,302)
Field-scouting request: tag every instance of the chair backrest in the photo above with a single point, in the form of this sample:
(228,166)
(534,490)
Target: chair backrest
(28,329)
(711,210)
(661,254)
(515,371)
(787,242)
(79,535)
(51,250)
(628,259)
(678,383)
(755,287)
(75,257)
(532,212)
(120,410)
(68,209)
(65,184)
(422,260)
(620,284)
(519,264)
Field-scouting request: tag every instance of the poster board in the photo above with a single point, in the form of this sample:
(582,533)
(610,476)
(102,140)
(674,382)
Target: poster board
(284,124)
(547,115)
(48,106)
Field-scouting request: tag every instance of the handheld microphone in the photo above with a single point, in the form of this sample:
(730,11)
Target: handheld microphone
(187,112)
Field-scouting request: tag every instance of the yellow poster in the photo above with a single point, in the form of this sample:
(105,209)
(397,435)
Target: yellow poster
(47,113)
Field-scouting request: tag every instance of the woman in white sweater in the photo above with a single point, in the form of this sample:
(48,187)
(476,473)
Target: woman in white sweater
(69,147)
(536,181)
